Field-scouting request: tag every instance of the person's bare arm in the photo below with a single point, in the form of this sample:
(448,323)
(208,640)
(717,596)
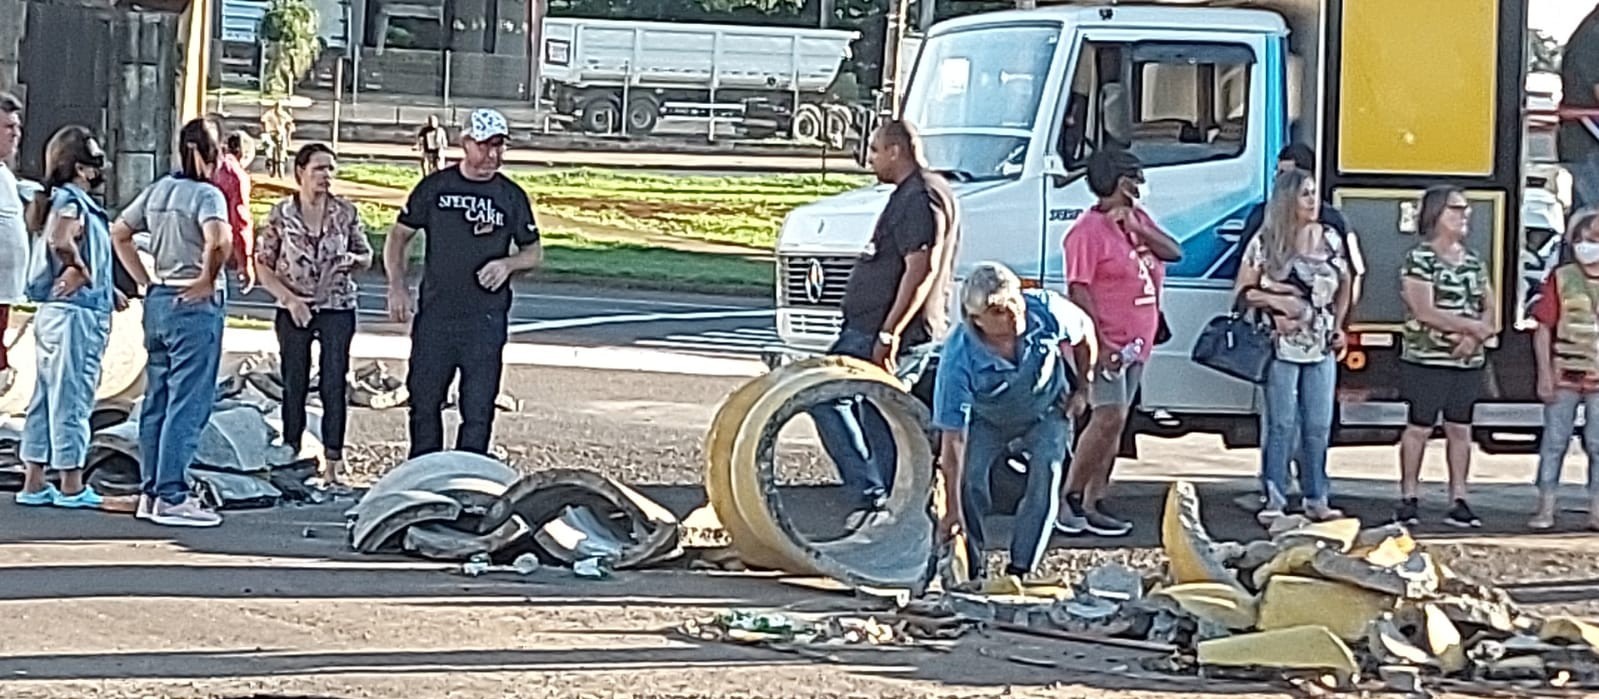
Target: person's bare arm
(63,236)
(1418,297)
(1543,354)
(914,286)
(395,267)
(1159,242)
(527,258)
(128,252)
(1490,313)
(396,263)
(951,465)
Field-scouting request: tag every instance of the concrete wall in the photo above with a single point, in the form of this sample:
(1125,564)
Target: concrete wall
(145,96)
(146,100)
(15,13)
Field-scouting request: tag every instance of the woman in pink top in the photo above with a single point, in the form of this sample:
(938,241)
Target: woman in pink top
(1115,265)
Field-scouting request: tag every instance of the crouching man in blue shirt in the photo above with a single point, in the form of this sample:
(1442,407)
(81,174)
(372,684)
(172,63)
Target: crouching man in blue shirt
(1004,376)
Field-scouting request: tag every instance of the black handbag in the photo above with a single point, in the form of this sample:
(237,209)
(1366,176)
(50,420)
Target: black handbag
(1239,344)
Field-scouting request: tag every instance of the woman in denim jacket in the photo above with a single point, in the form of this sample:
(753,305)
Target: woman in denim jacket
(73,287)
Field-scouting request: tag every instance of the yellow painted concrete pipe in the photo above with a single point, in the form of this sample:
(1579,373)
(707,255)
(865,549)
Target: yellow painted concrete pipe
(890,551)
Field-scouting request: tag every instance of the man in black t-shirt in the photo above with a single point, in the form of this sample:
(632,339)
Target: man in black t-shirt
(472,215)
(897,298)
(1578,140)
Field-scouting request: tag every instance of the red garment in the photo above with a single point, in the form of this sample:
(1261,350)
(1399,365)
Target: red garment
(234,182)
(1122,275)
(1546,310)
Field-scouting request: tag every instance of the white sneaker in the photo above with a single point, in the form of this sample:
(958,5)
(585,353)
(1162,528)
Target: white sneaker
(189,513)
(145,507)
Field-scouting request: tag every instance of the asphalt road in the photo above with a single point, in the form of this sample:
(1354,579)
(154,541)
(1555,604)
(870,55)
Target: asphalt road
(582,316)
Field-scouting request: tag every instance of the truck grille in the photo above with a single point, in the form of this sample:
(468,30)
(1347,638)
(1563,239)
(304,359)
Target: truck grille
(813,280)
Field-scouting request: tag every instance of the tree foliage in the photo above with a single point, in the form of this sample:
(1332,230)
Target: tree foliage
(289,29)
(1543,52)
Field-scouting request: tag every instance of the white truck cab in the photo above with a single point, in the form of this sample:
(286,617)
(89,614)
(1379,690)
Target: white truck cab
(1010,104)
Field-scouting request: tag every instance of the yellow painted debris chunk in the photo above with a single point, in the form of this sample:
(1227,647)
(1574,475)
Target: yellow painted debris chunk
(1570,630)
(1288,561)
(1214,602)
(1393,551)
(1443,640)
(1339,533)
(1298,648)
(1186,543)
(1345,610)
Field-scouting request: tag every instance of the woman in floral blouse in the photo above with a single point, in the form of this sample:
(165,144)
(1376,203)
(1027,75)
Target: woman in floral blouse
(305,256)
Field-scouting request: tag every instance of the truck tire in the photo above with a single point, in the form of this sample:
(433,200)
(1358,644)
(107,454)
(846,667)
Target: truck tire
(601,115)
(808,123)
(643,113)
(838,119)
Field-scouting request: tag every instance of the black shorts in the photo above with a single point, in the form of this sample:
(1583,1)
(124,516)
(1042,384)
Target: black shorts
(1431,390)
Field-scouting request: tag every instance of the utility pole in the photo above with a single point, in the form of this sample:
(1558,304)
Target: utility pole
(893,36)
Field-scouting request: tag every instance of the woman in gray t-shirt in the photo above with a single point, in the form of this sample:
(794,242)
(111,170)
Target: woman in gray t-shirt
(186,217)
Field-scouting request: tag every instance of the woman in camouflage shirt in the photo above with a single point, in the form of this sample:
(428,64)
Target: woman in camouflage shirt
(1449,316)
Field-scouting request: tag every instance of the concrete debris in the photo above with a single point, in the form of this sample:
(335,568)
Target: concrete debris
(1346,610)
(1298,648)
(896,549)
(1404,679)
(1416,578)
(1443,640)
(1332,598)
(1568,630)
(1115,582)
(782,630)
(457,506)
(1188,546)
(1388,644)
(1225,605)
(1291,561)
(1338,534)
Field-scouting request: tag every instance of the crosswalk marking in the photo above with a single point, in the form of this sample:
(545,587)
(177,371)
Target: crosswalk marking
(743,342)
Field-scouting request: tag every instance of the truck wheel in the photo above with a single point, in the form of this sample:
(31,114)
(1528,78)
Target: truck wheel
(808,123)
(601,115)
(838,119)
(642,115)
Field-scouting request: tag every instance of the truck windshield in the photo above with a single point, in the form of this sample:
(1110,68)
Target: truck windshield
(974,97)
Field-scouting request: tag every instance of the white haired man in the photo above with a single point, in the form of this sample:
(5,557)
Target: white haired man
(1005,374)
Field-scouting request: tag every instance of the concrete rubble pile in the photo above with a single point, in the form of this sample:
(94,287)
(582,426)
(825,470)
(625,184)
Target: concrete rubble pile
(241,463)
(1349,606)
(463,507)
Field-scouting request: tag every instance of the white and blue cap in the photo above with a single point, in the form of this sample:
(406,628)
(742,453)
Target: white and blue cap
(485,124)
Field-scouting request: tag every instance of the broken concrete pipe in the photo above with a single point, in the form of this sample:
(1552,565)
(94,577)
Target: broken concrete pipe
(456,505)
(740,480)
(1334,597)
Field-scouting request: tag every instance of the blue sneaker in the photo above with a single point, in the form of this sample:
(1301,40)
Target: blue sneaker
(85,499)
(43,498)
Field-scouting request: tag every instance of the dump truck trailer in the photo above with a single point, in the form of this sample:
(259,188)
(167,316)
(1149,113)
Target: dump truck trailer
(1394,97)
(624,76)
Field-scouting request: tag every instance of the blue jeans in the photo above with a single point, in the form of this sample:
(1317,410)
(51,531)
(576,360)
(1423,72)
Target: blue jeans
(71,340)
(184,341)
(854,433)
(1047,442)
(1299,413)
(1559,421)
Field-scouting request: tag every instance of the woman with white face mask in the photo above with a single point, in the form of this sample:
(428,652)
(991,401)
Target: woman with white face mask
(1566,345)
